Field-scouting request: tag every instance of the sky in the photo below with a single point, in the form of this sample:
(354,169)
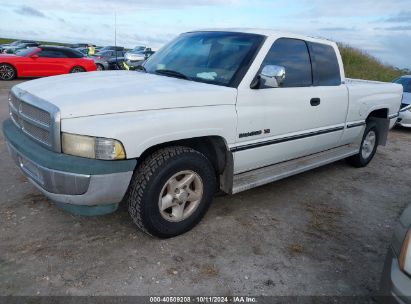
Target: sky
(379,27)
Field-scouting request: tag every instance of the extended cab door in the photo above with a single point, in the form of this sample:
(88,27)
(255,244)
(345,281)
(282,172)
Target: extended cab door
(304,115)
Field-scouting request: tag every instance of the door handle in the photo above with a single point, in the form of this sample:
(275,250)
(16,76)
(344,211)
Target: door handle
(315,102)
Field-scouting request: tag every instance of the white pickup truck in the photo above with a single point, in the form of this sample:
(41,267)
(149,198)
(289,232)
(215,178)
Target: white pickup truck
(213,110)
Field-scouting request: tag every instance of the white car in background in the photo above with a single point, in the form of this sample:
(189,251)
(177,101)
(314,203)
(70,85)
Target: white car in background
(404,118)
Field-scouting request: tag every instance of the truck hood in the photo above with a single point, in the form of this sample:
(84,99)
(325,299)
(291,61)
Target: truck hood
(99,93)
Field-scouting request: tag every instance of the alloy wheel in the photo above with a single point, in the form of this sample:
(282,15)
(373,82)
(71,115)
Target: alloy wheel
(180,196)
(6,72)
(368,144)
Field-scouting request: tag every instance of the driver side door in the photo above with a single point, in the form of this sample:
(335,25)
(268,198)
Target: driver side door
(51,62)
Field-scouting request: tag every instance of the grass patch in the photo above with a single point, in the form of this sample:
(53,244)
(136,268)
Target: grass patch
(358,64)
(324,218)
(296,249)
(9,40)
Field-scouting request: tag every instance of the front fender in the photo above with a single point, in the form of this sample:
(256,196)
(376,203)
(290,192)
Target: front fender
(141,130)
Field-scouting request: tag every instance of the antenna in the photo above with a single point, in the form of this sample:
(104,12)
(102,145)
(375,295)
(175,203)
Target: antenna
(115,36)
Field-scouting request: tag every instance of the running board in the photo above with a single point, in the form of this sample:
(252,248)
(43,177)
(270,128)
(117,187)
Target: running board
(251,179)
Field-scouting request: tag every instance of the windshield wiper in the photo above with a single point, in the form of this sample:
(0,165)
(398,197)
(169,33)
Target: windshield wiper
(172,74)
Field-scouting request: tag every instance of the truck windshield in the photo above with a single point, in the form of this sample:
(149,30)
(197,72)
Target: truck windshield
(220,58)
(405,82)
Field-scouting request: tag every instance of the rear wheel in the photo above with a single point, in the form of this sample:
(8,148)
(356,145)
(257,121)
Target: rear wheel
(7,72)
(171,191)
(77,69)
(368,147)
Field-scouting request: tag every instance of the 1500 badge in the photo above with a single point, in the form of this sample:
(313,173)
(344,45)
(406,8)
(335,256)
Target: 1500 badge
(254,133)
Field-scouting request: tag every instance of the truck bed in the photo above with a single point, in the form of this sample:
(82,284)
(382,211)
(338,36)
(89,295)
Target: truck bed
(365,96)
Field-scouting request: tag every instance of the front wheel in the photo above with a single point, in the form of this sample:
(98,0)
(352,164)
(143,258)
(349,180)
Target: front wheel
(368,147)
(171,191)
(77,69)
(7,72)
(99,67)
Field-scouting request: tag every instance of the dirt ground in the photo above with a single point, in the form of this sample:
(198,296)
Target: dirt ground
(324,232)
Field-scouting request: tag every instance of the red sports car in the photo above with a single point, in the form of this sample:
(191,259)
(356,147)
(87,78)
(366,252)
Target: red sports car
(43,61)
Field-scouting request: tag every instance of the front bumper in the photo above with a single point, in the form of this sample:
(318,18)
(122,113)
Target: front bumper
(395,284)
(134,63)
(104,63)
(66,179)
(404,119)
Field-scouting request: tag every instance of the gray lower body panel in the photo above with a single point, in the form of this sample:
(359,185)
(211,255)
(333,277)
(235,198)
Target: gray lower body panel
(73,188)
(404,119)
(251,179)
(395,285)
(103,190)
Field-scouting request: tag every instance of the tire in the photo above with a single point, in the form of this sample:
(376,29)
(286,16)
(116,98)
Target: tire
(368,146)
(77,69)
(7,72)
(153,188)
(99,67)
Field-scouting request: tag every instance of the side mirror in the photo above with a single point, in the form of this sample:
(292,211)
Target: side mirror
(271,76)
(35,56)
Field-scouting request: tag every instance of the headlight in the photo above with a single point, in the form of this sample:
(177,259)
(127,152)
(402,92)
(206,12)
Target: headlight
(405,256)
(92,147)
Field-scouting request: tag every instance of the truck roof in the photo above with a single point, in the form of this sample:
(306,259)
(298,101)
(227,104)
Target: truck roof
(269,33)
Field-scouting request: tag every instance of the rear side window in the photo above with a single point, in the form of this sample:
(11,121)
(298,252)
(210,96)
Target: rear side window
(51,53)
(73,53)
(292,54)
(326,70)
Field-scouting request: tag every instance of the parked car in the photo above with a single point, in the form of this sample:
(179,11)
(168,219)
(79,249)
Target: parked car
(107,59)
(82,50)
(225,110)
(14,49)
(43,61)
(14,43)
(136,57)
(116,63)
(404,118)
(396,276)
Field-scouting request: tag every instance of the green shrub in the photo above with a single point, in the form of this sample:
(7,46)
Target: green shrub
(360,65)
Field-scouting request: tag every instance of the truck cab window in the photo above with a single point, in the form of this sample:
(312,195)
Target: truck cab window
(292,54)
(326,69)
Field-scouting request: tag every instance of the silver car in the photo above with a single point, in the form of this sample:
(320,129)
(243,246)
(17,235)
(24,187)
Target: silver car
(396,276)
(404,118)
(105,59)
(137,55)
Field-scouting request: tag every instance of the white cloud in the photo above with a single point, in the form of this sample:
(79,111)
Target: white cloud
(109,6)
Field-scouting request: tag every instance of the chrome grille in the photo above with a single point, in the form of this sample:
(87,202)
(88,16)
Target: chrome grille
(37,114)
(29,114)
(36,132)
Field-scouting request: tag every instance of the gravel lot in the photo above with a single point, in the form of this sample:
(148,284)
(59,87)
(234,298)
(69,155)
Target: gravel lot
(324,232)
